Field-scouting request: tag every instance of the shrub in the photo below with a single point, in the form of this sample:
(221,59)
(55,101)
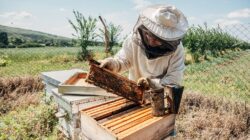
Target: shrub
(203,42)
(33,122)
(64,58)
(30,45)
(3,60)
(84,55)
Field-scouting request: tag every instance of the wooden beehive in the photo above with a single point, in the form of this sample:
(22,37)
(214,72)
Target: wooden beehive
(124,120)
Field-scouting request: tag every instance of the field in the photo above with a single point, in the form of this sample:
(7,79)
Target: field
(32,61)
(216,103)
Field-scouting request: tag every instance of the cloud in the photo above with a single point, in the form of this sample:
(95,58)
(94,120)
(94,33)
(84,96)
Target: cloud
(62,10)
(20,19)
(139,4)
(17,15)
(233,18)
(192,19)
(242,13)
(226,22)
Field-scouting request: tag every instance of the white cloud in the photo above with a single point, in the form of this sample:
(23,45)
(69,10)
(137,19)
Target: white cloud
(17,15)
(139,4)
(191,18)
(242,13)
(62,10)
(226,22)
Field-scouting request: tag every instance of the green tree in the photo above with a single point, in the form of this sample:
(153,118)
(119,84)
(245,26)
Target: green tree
(17,41)
(115,32)
(4,40)
(85,33)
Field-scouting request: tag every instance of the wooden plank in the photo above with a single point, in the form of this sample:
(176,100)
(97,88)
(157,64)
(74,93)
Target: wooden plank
(130,123)
(92,130)
(110,108)
(116,117)
(112,111)
(125,117)
(90,108)
(153,129)
(96,109)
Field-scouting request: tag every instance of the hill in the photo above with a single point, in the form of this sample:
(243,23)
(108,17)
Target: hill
(30,35)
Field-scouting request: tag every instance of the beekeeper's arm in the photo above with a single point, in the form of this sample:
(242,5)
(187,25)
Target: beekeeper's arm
(122,60)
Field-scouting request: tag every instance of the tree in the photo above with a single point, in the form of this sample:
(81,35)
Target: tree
(17,41)
(85,33)
(114,32)
(4,40)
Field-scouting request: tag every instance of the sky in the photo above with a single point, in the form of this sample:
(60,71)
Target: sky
(51,16)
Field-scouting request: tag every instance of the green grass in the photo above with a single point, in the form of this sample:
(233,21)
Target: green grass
(33,61)
(227,76)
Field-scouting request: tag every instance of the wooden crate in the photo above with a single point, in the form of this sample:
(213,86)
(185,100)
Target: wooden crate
(124,120)
(76,85)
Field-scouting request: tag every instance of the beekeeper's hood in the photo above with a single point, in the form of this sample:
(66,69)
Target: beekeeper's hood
(164,21)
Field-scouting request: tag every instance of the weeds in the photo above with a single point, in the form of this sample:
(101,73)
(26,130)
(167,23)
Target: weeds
(19,91)
(203,117)
(33,122)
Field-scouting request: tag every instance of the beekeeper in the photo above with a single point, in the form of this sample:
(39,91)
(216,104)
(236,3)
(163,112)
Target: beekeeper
(154,50)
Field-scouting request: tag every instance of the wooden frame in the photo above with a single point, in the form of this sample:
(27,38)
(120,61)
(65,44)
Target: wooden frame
(77,85)
(114,83)
(122,119)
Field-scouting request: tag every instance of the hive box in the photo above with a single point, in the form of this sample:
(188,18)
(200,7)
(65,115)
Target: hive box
(121,119)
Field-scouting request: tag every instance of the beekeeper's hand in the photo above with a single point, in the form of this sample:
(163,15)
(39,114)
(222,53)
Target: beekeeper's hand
(148,83)
(110,64)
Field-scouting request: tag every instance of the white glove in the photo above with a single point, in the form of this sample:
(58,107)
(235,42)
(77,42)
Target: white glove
(110,64)
(148,83)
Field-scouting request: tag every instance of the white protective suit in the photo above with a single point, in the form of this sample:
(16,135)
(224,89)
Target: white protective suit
(166,70)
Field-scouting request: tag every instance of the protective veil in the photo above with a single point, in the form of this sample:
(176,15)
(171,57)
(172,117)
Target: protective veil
(152,52)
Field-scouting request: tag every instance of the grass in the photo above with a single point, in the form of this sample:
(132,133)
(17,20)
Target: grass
(33,61)
(227,76)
